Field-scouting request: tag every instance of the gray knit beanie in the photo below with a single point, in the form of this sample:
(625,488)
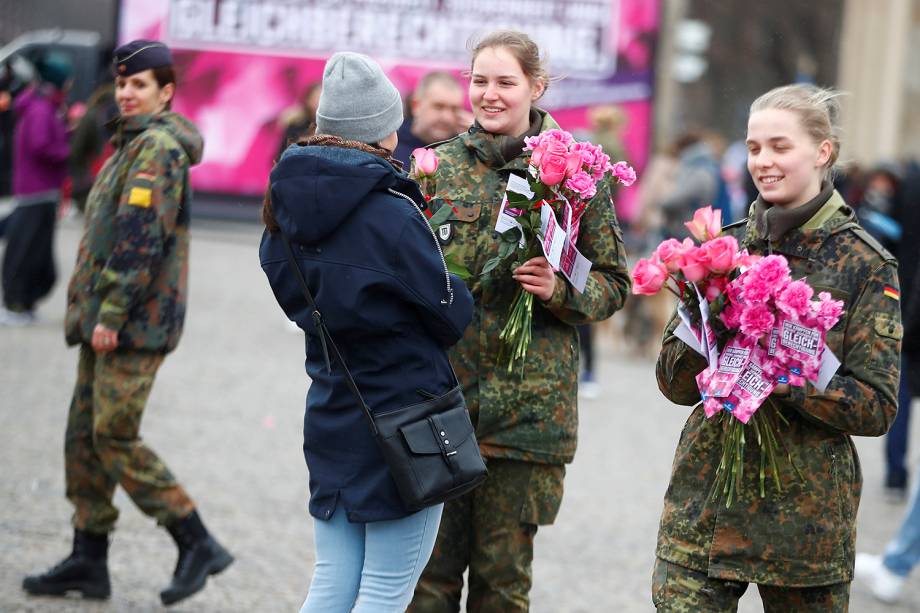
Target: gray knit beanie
(358,101)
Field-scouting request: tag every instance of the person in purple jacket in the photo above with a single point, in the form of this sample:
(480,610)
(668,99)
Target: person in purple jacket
(40,151)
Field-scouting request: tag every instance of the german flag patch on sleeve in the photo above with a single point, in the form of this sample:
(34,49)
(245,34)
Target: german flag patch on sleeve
(892,293)
(140,196)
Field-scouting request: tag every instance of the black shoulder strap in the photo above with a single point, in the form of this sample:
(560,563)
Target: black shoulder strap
(324,335)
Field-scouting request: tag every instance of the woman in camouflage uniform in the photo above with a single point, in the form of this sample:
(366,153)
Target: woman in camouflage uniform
(797,545)
(526,424)
(125,309)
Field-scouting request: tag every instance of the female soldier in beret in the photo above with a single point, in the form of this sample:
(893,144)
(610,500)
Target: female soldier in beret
(125,309)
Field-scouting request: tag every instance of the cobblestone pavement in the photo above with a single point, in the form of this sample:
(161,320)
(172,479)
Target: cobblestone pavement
(226,415)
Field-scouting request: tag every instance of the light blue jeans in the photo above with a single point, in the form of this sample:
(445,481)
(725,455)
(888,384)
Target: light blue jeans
(372,567)
(903,551)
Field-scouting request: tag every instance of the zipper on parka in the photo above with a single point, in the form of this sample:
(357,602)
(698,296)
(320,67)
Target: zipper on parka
(437,243)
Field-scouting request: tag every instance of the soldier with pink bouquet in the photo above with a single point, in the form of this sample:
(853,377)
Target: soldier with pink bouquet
(766,482)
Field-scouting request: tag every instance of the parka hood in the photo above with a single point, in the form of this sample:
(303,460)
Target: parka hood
(180,128)
(315,188)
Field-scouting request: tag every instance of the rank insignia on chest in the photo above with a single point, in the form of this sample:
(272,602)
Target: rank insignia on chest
(445,233)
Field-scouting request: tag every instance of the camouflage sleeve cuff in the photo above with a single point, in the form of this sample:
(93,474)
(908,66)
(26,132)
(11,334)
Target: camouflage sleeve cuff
(557,300)
(111,316)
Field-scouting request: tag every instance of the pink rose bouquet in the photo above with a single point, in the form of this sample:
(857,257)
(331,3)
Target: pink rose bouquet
(564,175)
(756,326)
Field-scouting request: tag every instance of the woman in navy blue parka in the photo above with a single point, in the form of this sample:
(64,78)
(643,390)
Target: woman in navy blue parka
(374,266)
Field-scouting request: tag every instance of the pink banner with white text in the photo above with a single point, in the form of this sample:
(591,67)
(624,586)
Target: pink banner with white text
(241,63)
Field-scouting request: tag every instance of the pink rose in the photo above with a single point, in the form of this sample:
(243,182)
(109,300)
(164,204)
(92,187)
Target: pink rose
(715,287)
(756,320)
(553,163)
(706,224)
(582,184)
(694,263)
(426,162)
(669,252)
(795,299)
(573,164)
(745,259)
(648,277)
(624,173)
(537,156)
(721,253)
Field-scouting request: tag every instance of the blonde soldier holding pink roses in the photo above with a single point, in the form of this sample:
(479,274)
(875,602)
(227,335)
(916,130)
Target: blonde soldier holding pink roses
(526,420)
(795,542)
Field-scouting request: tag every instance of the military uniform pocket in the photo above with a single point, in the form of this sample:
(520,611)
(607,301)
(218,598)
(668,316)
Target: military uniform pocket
(886,328)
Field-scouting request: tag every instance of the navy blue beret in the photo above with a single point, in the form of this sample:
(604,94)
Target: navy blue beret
(139,55)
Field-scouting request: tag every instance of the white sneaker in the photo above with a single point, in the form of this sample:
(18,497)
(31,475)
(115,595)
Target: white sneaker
(589,390)
(16,319)
(884,584)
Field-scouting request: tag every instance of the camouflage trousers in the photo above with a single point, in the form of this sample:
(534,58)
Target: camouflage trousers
(677,589)
(491,531)
(102,447)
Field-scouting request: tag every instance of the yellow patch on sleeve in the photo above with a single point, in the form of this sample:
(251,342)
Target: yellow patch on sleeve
(139,196)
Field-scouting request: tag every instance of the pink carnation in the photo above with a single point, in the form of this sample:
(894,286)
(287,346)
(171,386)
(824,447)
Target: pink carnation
(624,173)
(755,291)
(589,153)
(582,184)
(731,316)
(756,320)
(827,311)
(795,299)
(648,277)
(772,270)
(601,166)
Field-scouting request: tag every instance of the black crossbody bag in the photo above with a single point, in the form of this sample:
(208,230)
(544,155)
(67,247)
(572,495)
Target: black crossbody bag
(430,447)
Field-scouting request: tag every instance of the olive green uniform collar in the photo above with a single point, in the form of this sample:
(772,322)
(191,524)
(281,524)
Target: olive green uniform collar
(504,152)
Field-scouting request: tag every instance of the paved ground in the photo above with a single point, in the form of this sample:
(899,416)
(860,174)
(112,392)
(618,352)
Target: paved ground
(226,415)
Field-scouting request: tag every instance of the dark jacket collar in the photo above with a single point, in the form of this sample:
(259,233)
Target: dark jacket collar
(804,240)
(774,222)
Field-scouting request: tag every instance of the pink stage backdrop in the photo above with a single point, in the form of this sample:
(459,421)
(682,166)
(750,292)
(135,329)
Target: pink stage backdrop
(242,62)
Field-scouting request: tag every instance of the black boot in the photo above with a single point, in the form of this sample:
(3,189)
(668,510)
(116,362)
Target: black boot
(199,556)
(85,570)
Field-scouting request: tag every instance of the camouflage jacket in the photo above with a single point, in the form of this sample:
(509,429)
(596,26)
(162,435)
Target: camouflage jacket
(804,536)
(131,273)
(534,417)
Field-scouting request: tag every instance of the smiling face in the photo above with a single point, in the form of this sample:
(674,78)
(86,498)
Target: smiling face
(140,94)
(500,93)
(786,163)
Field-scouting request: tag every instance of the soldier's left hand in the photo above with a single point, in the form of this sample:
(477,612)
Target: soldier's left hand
(537,277)
(104,339)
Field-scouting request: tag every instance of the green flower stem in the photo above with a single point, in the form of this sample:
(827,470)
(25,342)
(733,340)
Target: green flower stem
(517,333)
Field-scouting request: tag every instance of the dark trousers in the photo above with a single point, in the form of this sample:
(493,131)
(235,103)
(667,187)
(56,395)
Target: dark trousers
(28,263)
(896,441)
(586,342)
